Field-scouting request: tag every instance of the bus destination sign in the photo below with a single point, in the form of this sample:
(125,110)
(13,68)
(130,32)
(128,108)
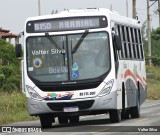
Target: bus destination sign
(65,24)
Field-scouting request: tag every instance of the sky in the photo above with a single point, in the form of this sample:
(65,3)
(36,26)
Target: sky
(13,13)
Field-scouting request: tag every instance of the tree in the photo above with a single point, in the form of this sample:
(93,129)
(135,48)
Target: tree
(155,41)
(9,67)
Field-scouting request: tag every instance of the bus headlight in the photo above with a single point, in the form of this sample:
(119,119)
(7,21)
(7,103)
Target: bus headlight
(34,95)
(107,88)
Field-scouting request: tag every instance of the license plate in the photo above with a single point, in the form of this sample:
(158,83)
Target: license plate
(71,109)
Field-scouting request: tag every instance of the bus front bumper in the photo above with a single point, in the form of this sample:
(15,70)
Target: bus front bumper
(56,107)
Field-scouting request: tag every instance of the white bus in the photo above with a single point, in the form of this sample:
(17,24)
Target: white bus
(83,62)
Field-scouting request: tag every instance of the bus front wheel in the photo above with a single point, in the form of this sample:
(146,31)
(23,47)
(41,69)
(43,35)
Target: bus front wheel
(63,120)
(115,116)
(74,119)
(46,120)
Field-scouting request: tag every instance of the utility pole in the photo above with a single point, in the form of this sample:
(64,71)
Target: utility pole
(134,9)
(127,8)
(39,7)
(149,33)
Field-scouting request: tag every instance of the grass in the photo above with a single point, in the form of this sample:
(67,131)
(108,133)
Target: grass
(13,108)
(153,87)
(153,82)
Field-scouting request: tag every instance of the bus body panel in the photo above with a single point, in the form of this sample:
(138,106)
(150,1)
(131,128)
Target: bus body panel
(130,73)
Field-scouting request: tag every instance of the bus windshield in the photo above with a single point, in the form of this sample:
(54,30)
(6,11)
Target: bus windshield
(46,63)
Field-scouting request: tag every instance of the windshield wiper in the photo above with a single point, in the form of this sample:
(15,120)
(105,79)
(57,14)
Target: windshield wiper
(80,41)
(52,41)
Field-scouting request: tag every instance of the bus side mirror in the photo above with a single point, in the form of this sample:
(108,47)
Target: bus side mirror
(118,42)
(18,50)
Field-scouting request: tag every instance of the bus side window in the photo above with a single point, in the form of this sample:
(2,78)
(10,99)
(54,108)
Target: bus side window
(121,55)
(137,45)
(114,47)
(124,42)
(121,35)
(129,43)
(133,45)
(140,44)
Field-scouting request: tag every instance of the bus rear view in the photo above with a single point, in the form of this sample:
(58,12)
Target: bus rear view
(72,68)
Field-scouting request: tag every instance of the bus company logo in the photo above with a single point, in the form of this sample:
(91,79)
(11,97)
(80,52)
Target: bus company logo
(55,96)
(37,62)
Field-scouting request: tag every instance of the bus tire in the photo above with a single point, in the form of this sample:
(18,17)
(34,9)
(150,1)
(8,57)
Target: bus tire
(135,111)
(63,120)
(46,120)
(74,119)
(115,115)
(125,114)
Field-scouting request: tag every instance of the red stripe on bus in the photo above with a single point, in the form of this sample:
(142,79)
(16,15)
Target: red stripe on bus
(129,73)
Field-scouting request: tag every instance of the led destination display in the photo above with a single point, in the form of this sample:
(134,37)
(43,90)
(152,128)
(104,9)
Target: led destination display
(64,24)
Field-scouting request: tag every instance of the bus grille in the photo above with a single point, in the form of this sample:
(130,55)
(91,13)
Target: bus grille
(81,104)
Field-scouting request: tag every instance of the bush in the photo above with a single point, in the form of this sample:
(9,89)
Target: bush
(9,68)
(156,61)
(7,71)
(9,87)
(158,76)
(153,71)
(2,78)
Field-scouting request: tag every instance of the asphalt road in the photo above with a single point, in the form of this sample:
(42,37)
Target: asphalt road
(100,124)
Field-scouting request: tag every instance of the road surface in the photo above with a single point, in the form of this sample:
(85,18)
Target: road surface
(100,124)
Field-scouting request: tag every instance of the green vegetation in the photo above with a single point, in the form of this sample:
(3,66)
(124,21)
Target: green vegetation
(153,72)
(153,87)
(153,82)
(156,46)
(9,68)
(13,108)
(12,102)
(155,42)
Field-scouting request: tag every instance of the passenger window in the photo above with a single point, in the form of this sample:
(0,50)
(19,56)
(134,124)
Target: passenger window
(121,55)
(129,43)
(133,43)
(137,46)
(140,43)
(124,42)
